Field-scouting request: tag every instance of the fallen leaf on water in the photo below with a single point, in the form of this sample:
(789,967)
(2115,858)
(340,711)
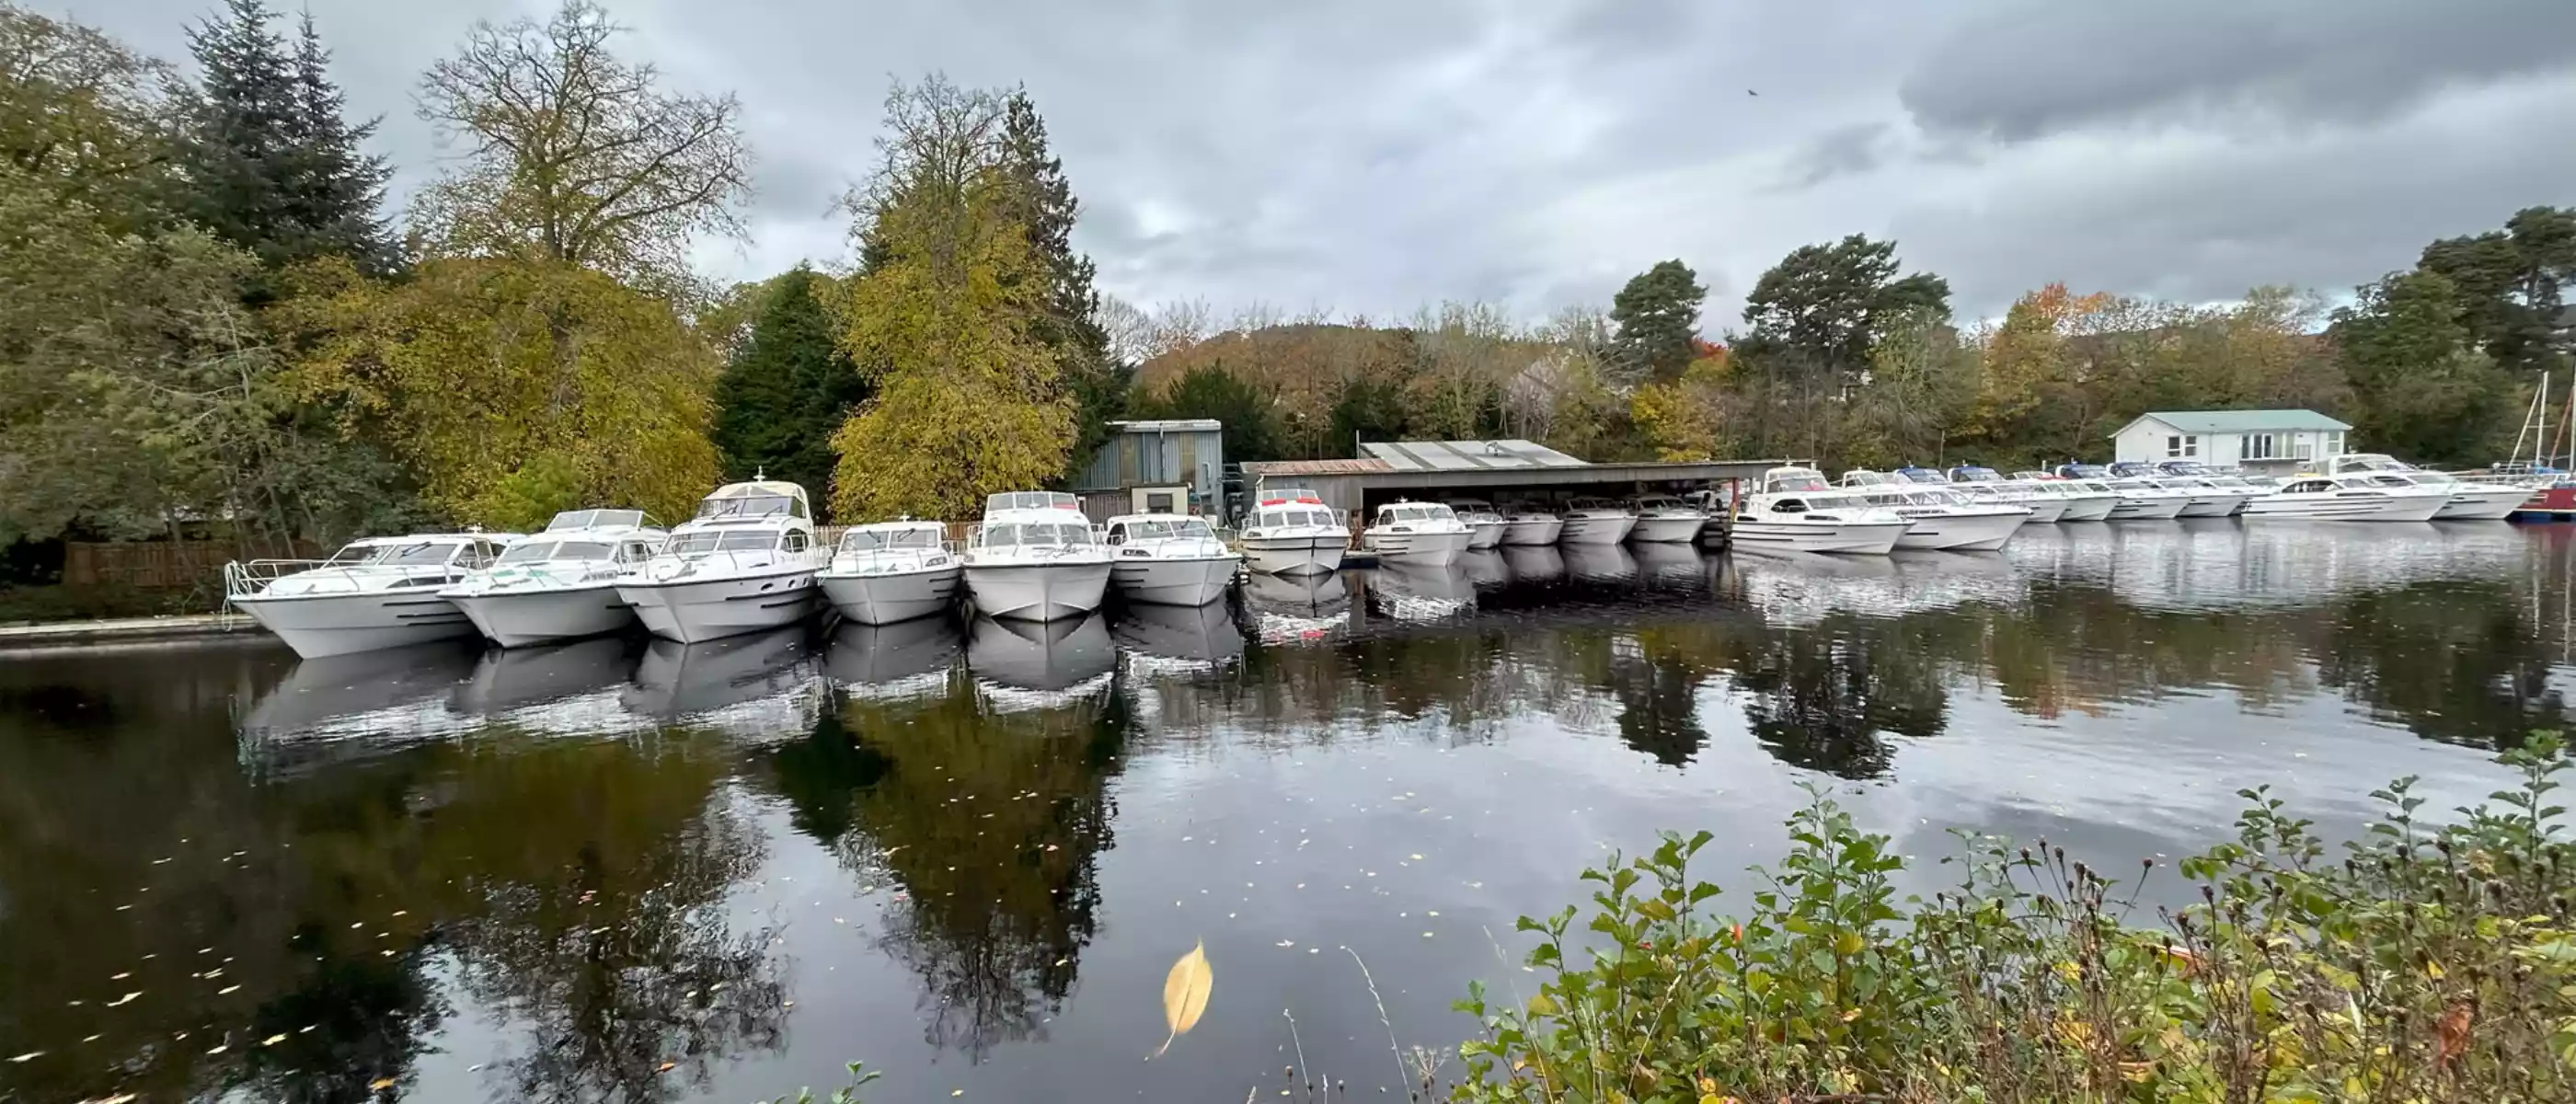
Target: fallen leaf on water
(227,991)
(30,1056)
(273,1040)
(380,1083)
(1185,994)
(218,1050)
(666,1067)
(125,999)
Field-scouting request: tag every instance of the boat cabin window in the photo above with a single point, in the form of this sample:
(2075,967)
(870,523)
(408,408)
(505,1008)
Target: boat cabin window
(401,554)
(793,540)
(1921,475)
(1414,511)
(1159,529)
(1789,506)
(1039,534)
(2370,461)
(538,551)
(1030,500)
(745,542)
(595,519)
(2308,486)
(879,540)
(635,551)
(752,506)
(690,544)
(1974,475)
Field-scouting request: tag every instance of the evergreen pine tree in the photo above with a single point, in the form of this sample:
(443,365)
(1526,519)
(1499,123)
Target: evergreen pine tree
(784,393)
(271,165)
(1070,324)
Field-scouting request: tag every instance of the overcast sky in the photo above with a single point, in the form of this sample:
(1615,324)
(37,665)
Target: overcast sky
(1374,155)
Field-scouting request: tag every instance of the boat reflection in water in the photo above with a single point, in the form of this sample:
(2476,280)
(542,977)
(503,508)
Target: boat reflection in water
(379,699)
(757,686)
(1184,638)
(2220,564)
(561,689)
(1285,608)
(1534,563)
(906,659)
(1485,568)
(1022,665)
(1600,564)
(1671,566)
(1421,592)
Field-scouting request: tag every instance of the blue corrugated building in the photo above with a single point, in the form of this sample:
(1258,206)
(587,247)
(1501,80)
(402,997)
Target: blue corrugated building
(1175,465)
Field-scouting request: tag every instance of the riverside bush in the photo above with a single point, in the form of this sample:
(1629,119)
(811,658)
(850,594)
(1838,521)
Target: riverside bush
(2423,963)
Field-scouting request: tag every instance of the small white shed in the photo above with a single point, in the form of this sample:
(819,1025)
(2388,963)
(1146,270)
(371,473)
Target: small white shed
(2260,440)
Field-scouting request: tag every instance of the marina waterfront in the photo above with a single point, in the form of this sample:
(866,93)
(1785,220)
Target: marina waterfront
(966,852)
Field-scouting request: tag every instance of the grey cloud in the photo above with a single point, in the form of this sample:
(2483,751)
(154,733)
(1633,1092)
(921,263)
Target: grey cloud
(2034,67)
(1842,151)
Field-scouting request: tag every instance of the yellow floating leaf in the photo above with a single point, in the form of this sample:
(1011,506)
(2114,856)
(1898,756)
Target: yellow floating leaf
(1185,994)
(273,1040)
(666,1067)
(380,1084)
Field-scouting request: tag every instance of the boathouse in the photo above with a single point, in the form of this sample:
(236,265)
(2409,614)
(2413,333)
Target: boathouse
(1501,472)
(2265,442)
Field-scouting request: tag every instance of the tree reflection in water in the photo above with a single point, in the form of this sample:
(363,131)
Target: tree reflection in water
(990,822)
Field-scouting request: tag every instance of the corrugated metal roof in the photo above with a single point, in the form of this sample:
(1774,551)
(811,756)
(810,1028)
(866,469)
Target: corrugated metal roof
(1468,455)
(1273,468)
(2241,421)
(1171,425)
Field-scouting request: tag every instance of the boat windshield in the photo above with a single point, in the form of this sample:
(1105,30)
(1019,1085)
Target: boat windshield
(596,519)
(879,540)
(1282,518)
(749,506)
(1921,475)
(2388,481)
(2371,462)
(1974,474)
(1183,528)
(1030,500)
(1415,511)
(1659,502)
(689,544)
(407,554)
(2086,471)
(1868,479)
(1801,482)
(541,551)
(1034,535)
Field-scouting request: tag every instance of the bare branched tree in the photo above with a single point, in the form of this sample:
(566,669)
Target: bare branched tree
(575,155)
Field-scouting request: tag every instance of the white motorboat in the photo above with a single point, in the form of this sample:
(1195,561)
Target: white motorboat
(559,584)
(1796,510)
(1527,525)
(1292,532)
(1939,518)
(2084,501)
(2227,482)
(2205,498)
(380,592)
(1035,558)
(745,563)
(2468,501)
(1485,526)
(1984,486)
(2146,500)
(1596,521)
(1169,559)
(1664,519)
(891,571)
(2348,498)
(1422,533)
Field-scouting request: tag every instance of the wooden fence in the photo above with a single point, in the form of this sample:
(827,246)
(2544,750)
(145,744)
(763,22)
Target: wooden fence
(159,565)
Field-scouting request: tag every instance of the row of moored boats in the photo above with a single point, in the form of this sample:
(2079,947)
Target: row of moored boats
(750,560)
(1974,509)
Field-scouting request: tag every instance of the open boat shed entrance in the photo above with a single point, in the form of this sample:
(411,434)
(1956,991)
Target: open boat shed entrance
(1500,472)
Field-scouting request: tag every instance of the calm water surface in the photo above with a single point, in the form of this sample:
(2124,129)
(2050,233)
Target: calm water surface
(966,854)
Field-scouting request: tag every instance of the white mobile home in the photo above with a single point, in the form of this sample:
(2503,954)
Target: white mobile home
(2269,441)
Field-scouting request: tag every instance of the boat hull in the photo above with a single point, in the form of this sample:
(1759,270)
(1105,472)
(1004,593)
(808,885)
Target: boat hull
(325,625)
(2374,508)
(692,610)
(1849,538)
(2044,511)
(519,619)
(888,598)
(1195,581)
(1485,534)
(1315,555)
(2495,505)
(1961,532)
(2147,509)
(2088,509)
(1596,530)
(1418,549)
(1667,530)
(1525,532)
(1038,591)
(2212,506)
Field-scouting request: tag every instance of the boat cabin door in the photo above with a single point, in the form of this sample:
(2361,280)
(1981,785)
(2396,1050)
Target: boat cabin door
(1172,499)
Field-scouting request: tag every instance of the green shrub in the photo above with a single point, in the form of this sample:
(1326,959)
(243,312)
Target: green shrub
(2424,963)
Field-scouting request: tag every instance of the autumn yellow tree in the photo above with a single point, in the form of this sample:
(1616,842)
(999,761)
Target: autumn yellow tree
(518,387)
(969,401)
(1683,419)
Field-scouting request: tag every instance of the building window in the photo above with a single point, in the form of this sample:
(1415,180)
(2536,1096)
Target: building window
(2258,446)
(2334,442)
(2305,449)
(2177,446)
